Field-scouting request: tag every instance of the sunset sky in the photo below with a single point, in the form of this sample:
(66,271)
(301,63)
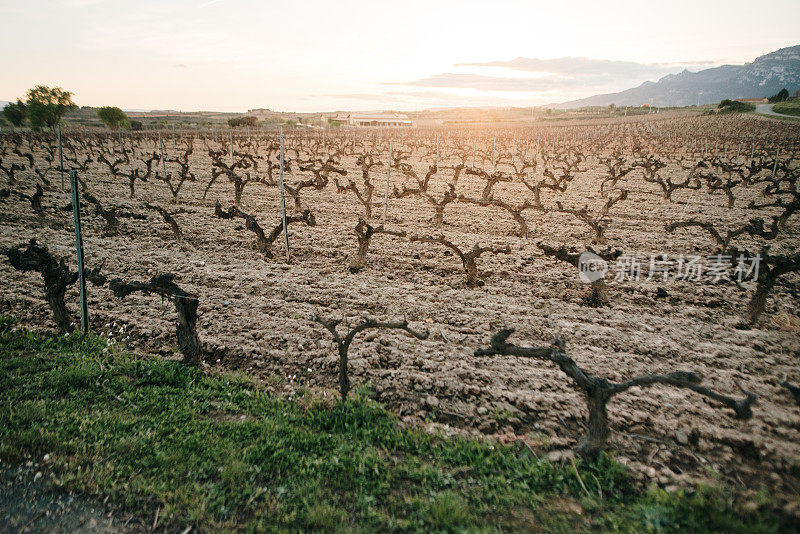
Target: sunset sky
(233,55)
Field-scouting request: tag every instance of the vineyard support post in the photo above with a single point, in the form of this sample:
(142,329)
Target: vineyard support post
(386,194)
(473,154)
(775,166)
(283,202)
(76,212)
(60,157)
(163,161)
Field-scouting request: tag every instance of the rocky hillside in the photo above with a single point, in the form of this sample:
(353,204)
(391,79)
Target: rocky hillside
(765,76)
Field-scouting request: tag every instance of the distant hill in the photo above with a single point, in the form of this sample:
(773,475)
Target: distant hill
(765,76)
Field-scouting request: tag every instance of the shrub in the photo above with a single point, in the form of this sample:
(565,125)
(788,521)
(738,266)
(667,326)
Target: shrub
(113,117)
(732,106)
(241,121)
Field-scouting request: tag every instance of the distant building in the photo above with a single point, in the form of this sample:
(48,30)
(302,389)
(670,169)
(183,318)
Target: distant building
(753,100)
(373,119)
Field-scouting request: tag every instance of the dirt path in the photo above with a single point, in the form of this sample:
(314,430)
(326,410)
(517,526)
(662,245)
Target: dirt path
(28,505)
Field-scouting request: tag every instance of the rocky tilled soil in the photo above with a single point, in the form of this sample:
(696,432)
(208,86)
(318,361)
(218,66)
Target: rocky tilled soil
(255,315)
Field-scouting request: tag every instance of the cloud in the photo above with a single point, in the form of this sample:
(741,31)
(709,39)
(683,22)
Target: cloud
(210,3)
(181,66)
(420,99)
(579,75)
(492,83)
(444,98)
(373,97)
(584,66)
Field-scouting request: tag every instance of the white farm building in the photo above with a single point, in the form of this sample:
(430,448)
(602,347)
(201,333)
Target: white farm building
(373,119)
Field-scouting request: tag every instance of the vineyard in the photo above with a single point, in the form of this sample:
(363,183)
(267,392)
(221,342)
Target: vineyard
(413,254)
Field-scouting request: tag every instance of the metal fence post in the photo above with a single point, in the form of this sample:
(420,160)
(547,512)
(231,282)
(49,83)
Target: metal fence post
(76,212)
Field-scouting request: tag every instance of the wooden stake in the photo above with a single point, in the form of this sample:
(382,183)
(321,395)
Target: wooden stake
(436,165)
(386,194)
(775,166)
(61,157)
(163,161)
(230,133)
(283,202)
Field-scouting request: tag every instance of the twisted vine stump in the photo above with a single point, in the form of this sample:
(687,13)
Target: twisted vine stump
(306,217)
(343,341)
(422,183)
(262,245)
(11,171)
(56,275)
(169,219)
(364,196)
(220,168)
(364,232)
(790,206)
(794,390)
(108,215)
(468,259)
(185,304)
(318,182)
(599,221)
(617,170)
(598,294)
(35,199)
(771,267)
(263,241)
(491,180)
(599,391)
(754,227)
(439,205)
(516,212)
(184,174)
(651,166)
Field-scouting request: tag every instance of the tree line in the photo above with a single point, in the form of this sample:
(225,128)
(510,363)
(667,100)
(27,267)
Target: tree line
(44,107)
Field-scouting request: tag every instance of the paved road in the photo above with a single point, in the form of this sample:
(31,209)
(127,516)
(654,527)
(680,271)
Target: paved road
(766,109)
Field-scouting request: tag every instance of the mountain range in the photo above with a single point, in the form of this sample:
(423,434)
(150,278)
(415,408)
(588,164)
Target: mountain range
(764,77)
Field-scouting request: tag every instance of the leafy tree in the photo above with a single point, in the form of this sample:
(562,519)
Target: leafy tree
(47,105)
(113,117)
(780,96)
(15,112)
(241,121)
(136,125)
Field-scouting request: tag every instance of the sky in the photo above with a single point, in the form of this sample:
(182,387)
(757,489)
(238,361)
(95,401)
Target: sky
(306,56)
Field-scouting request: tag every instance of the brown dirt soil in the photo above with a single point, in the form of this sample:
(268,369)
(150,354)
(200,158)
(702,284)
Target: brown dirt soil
(254,313)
